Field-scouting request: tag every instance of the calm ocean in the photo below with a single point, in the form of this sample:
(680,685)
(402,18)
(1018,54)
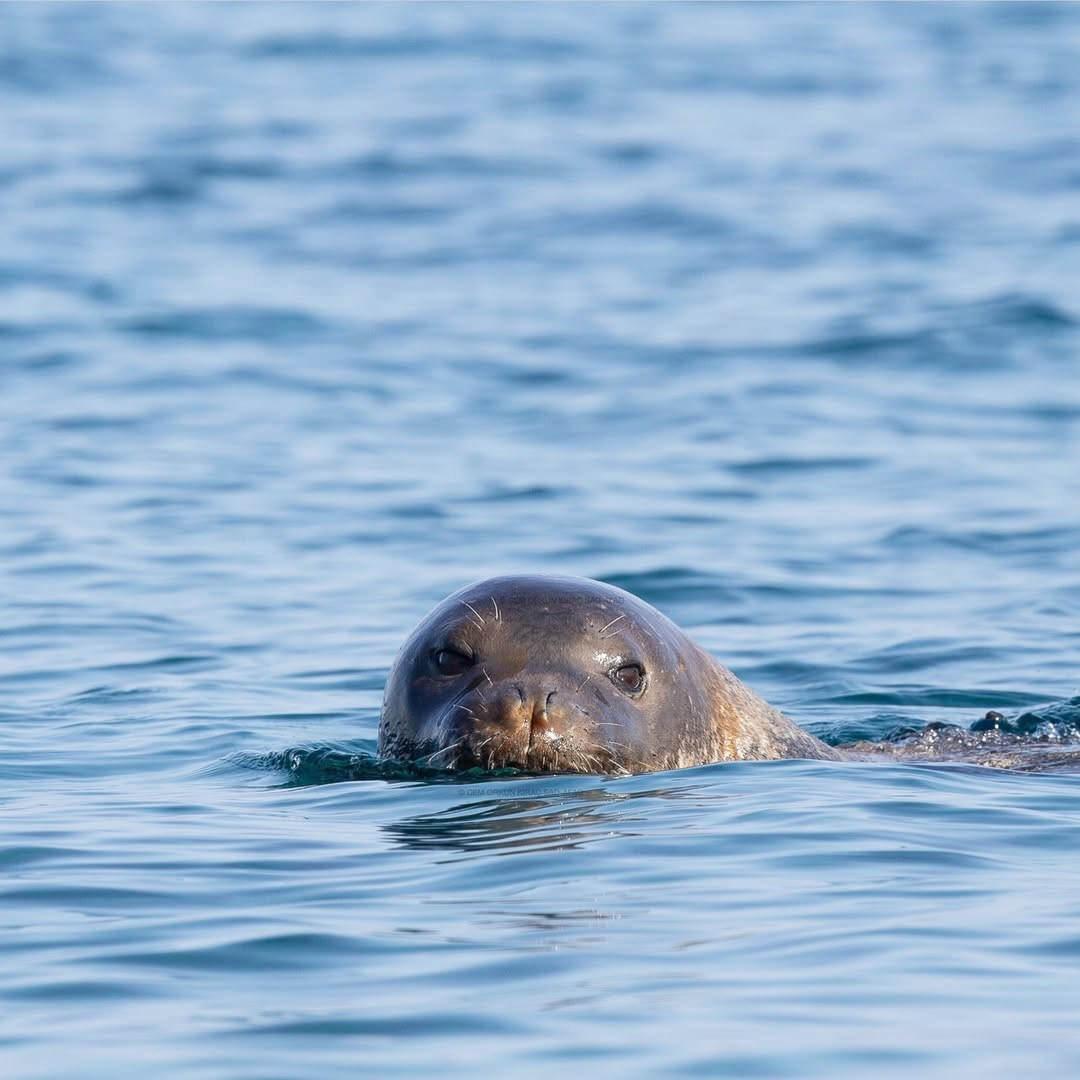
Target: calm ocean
(311,314)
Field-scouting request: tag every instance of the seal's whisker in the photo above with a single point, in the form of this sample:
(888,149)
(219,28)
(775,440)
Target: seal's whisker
(498,617)
(479,617)
(486,675)
(466,709)
(649,623)
(583,682)
(610,624)
(445,750)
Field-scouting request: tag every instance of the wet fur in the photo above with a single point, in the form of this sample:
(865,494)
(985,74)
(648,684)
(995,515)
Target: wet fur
(699,713)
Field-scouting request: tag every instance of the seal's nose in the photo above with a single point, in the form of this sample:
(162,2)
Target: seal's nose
(530,706)
(543,714)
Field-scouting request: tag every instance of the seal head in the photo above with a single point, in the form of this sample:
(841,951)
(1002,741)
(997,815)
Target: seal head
(558,674)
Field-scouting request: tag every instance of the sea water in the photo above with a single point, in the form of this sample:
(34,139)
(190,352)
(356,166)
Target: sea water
(310,315)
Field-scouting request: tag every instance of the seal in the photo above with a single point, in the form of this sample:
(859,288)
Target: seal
(568,675)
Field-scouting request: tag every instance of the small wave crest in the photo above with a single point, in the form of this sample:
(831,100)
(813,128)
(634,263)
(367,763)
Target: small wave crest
(1040,739)
(333,763)
(1057,721)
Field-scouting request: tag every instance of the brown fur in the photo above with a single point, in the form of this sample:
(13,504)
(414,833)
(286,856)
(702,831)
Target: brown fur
(537,689)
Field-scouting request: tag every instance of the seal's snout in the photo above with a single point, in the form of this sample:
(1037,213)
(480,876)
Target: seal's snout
(548,721)
(525,722)
(531,707)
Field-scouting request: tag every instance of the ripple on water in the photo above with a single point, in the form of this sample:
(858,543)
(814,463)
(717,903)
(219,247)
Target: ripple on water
(311,314)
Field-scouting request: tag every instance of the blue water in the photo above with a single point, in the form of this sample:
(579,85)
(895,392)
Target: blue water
(310,315)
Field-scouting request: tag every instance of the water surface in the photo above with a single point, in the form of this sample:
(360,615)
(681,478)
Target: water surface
(309,315)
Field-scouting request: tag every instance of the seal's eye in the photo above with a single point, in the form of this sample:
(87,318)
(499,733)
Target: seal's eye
(629,677)
(452,662)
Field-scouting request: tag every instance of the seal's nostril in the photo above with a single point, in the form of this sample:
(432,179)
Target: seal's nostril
(547,704)
(520,693)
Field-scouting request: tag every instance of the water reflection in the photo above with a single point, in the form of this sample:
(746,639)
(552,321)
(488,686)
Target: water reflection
(506,826)
(560,821)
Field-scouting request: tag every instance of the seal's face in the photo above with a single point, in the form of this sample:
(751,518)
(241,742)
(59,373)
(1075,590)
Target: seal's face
(543,674)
